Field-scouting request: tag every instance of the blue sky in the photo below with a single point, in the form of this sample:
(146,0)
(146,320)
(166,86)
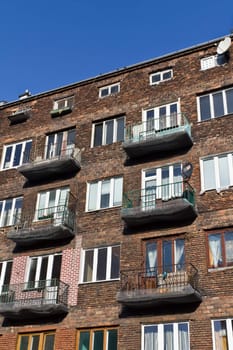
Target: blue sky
(46,44)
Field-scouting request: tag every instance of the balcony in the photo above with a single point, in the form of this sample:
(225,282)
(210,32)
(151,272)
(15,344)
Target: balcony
(176,285)
(19,116)
(47,225)
(167,204)
(164,134)
(60,111)
(34,299)
(58,161)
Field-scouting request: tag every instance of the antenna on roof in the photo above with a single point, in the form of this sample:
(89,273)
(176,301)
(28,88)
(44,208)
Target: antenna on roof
(224,45)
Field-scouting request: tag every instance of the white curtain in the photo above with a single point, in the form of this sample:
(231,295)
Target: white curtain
(151,338)
(168,337)
(183,336)
(92,200)
(151,258)
(118,187)
(215,250)
(179,258)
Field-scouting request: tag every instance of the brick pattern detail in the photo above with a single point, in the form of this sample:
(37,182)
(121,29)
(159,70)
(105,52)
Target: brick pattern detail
(18,269)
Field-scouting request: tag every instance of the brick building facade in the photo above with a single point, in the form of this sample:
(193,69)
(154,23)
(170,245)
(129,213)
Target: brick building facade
(116,221)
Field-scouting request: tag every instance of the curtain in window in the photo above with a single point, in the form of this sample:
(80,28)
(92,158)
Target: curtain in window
(151,258)
(117,195)
(179,256)
(229,247)
(220,335)
(168,337)
(215,250)
(183,338)
(151,338)
(92,200)
(149,195)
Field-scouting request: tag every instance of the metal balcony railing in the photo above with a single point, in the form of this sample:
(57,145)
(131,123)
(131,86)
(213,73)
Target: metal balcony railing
(35,293)
(59,215)
(157,127)
(169,277)
(157,196)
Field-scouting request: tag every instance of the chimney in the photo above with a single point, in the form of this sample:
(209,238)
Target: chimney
(26,94)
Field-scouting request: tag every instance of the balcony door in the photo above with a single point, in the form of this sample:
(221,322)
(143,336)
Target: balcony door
(5,275)
(60,144)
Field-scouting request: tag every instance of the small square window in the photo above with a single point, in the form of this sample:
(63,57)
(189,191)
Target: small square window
(161,76)
(109,90)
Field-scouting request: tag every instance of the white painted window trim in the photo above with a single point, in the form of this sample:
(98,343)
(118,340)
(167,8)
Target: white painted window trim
(109,90)
(13,145)
(3,272)
(65,99)
(161,73)
(161,335)
(216,169)
(12,210)
(156,110)
(95,260)
(98,199)
(57,196)
(229,332)
(38,266)
(115,120)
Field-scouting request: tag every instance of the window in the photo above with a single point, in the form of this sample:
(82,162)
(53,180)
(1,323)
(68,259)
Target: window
(43,268)
(60,144)
(215,105)
(108,131)
(51,202)
(104,193)
(109,90)
(220,246)
(66,102)
(16,154)
(165,255)
(10,211)
(36,341)
(213,61)
(172,336)
(101,264)
(5,275)
(158,77)
(217,172)
(222,331)
(161,183)
(97,339)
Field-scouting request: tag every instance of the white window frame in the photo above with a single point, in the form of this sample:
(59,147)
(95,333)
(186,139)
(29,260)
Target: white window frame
(3,272)
(47,196)
(161,335)
(209,62)
(104,133)
(109,88)
(95,265)
(66,151)
(11,220)
(38,266)
(13,145)
(212,116)
(161,75)
(98,196)
(66,101)
(215,158)
(229,334)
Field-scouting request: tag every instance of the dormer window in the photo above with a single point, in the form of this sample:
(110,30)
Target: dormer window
(62,106)
(109,90)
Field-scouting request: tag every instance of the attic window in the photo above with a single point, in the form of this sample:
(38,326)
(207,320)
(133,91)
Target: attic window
(62,106)
(213,61)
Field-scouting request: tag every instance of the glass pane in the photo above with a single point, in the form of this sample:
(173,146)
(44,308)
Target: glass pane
(167,75)
(7,157)
(183,338)
(102,264)
(150,120)
(105,194)
(229,247)
(205,107)
(92,200)
(56,267)
(98,340)
(42,201)
(112,339)
(109,131)
(151,258)
(63,197)
(43,268)
(166,187)
(71,137)
(17,210)
(50,147)
(151,338)
(59,146)
(155,78)
(224,177)
(220,335)
(32,272)
(24,342)
(229,97)
(7,273)
(149,196)
(162,118)
(120,129)
(168,337)
(115,266)
(6,220)
(27,150)
(209,174)
(215,250)
(179,254)
(51,203)
(218,104)
(49,342)
(167,256)
(17,155)
(35,342)
(118,187)
(98,134)
(114,89)
(84,341)
(104,92)
(88,268)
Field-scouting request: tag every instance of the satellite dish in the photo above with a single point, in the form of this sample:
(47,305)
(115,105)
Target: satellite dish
(187,170)
(224,45)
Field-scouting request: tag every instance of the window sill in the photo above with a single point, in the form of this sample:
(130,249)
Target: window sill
(217,269)
(102,281)
(102,209)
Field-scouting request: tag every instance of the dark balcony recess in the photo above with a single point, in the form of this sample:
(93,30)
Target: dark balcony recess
(51,224)
(147,289)
(167,204)
(62,163)
(173,133)
(19,116)
(44,299)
